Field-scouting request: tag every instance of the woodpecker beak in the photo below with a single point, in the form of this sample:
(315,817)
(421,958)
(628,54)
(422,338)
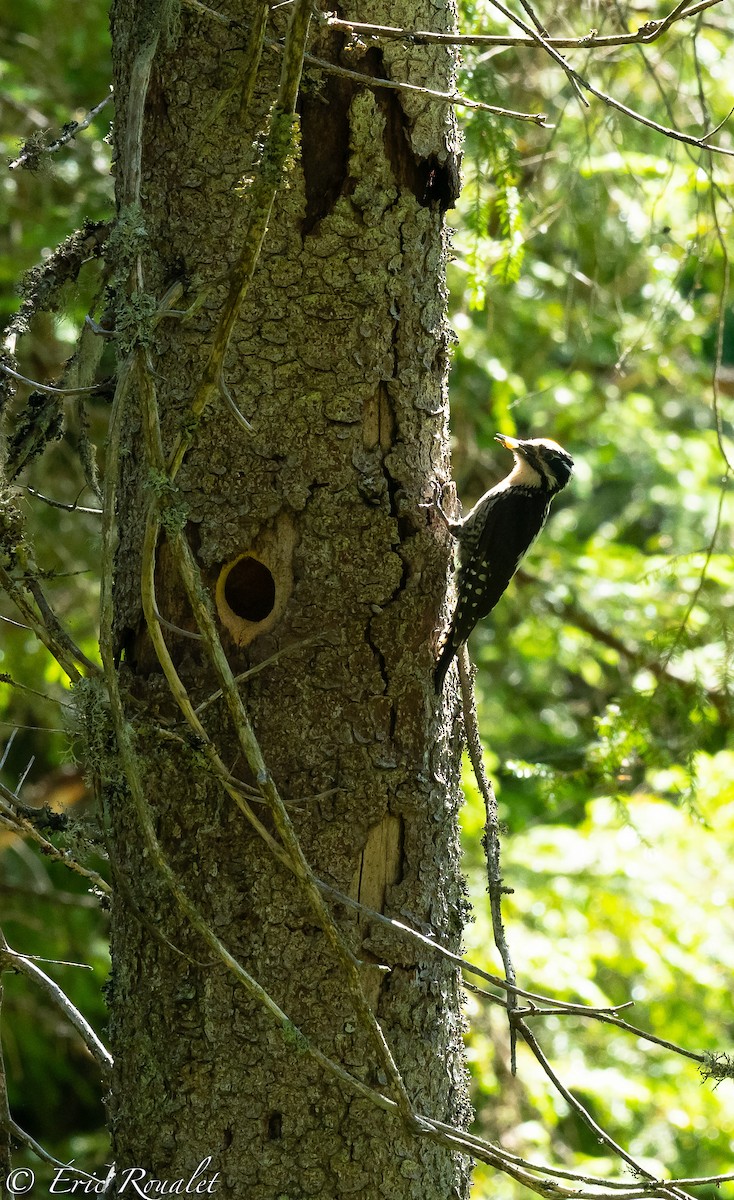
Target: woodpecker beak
(509,443)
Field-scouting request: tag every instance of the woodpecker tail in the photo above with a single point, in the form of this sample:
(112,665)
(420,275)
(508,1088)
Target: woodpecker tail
(443,664)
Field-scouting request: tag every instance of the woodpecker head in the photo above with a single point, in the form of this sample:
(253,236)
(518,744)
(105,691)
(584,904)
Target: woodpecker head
(539,463)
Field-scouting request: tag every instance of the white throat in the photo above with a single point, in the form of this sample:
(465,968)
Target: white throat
(522,475)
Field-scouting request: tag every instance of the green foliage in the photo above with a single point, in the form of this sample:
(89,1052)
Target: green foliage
(616,906)
(607,342)
(47,912)
(54,67)
(604,680)
(493,226)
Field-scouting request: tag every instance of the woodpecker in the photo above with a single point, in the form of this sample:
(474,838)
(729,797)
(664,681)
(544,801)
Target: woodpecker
(495,535)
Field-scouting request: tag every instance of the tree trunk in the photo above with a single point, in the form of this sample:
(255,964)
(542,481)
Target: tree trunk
(312,544)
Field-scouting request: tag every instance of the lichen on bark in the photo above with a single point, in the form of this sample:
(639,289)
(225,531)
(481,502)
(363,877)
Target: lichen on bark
(338,360)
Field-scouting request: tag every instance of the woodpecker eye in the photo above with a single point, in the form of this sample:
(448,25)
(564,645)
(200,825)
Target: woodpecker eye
(562,467)
(497,532)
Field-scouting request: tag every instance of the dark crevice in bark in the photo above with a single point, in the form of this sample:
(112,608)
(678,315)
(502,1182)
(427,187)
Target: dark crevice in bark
(441,183)
(275,1126)
(381,665)
(324,112)
(325,135)
(430,181)
(126,644)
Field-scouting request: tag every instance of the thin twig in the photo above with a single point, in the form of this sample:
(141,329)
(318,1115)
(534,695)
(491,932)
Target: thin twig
(187,633)
(26,1140)
(705,1181)
(491,839)
(109,504)
(261,666)
(49,895)
(540,34)
(18,962)
(537,1001)
(70,132)
(675,134)
(64,658)
(9,810)
(5,1155)
(688,139)
(76,508)
(600,1133)
(56,630)
(456,98)
(15,624)
(24,776)
(723,308)
(722,707)
(47,388)
(568,611)
(607,1017)
(648,32)
(549,46)
(220,18)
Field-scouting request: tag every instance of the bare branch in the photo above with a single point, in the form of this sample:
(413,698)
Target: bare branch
(568,611)
(26,1140)
(23,825)
(529,1038)
(720,327)
(609,1017)
(70,131)
(323,64)
(722,706)
(23,687)
(47,388)
(702,142)
(19,962)
(61,638)
(261,666)
(94,512)
(550,45)
(67,655)
(491,839)
(648,32)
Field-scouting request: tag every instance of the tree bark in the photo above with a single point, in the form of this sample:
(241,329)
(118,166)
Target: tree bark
(312,543)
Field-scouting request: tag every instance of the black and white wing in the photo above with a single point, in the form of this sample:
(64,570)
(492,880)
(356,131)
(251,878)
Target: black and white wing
(490,550)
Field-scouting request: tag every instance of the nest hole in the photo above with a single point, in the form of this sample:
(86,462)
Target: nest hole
(250,590)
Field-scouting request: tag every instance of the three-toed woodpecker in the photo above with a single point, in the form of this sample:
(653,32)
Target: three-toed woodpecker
(494,536)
